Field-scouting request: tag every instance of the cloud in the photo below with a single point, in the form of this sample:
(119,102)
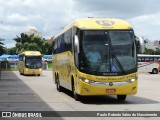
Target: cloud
(16,17)
(49,16)
(147,25)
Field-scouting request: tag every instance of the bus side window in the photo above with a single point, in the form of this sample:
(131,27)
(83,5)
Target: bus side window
(146,59)
(155,59)
(150,59)
(139,59)
(142,60)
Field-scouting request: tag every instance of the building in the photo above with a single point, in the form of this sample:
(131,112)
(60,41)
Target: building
(157,43)
(35,32)
(50,40)
(152,44)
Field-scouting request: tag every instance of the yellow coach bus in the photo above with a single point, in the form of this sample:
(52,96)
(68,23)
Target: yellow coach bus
(96,56)
(30,63)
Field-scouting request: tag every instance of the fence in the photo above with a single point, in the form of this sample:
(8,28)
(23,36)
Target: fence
(14,65)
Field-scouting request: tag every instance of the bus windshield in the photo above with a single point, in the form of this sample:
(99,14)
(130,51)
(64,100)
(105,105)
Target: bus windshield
(107,52)
(33,62)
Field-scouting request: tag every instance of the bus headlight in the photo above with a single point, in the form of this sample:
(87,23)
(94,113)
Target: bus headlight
(26,69)
(86,80)
(131,80)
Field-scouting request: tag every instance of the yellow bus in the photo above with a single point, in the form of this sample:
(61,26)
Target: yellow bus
(30,63)
(96,56)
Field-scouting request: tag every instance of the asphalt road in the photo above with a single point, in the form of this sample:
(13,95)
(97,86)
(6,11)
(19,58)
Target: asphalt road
(34,93)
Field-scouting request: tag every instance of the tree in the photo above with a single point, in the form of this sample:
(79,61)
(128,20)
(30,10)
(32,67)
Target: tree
(2,49)
(157,51)
(11,51)
(33,43)
(149,51)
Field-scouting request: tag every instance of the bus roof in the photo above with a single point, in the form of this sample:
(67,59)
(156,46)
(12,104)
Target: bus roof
(98,24)
(101,23)
(145,55)
(31,53)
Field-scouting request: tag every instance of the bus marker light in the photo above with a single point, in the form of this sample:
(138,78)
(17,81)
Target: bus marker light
(86,89)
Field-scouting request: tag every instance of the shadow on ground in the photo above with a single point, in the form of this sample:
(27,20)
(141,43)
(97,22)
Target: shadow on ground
(15,95)
(131,99)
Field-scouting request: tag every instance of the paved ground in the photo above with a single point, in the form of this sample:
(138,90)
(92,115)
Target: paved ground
(33,93)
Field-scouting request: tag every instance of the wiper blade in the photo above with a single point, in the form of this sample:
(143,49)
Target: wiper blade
(119,63)
(85,61)
(101,62)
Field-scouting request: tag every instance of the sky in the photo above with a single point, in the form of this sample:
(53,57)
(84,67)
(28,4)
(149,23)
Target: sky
(50,16)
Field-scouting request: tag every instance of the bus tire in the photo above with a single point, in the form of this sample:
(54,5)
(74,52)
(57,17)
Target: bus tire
(155,71)
(38,74)
(55,78)
(59,87)
(121,97)
(23,73)
(75,95)
(20,72)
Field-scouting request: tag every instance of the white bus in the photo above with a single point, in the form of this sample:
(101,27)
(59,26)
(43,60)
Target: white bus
(149,63)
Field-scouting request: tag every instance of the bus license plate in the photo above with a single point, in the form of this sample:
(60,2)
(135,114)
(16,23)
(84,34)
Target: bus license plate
(110,90)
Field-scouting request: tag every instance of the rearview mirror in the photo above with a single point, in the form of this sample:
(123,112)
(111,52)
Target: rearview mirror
(76,44)
(141,44)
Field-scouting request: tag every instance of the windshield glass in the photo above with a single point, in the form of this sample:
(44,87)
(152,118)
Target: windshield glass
(107,52)
(33,62)
(123,50)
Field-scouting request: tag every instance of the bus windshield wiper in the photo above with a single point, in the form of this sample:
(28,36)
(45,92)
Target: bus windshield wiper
(101,62)
(119,64)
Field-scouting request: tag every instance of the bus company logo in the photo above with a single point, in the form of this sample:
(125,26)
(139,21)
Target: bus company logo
(105,23)
(6,114)
(111,84)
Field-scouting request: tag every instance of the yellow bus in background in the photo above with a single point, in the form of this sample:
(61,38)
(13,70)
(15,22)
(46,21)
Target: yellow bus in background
(30,63)
(96,56)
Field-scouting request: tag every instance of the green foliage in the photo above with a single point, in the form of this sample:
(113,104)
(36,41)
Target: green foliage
(149,51)
(11,51)
(152,52)
(157,52)
(32,43)
(2,49)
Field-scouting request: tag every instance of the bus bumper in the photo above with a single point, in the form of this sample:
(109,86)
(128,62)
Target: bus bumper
(86,89)
(32,71)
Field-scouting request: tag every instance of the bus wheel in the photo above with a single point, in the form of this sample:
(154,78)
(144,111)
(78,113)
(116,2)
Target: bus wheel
(121,97)
(75,95)
(38,74)
(20,72)
(154,71)
(59,87)
(23,73)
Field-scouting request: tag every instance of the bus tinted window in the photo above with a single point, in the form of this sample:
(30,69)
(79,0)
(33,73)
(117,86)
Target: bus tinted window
(63,42)
(155,59)
(150,59)
(146,59)
(139,59)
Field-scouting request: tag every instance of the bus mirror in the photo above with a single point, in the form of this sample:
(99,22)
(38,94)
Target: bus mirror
(76,44)
(141,44)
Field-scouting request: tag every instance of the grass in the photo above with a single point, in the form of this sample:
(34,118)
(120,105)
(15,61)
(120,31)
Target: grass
(49,65)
